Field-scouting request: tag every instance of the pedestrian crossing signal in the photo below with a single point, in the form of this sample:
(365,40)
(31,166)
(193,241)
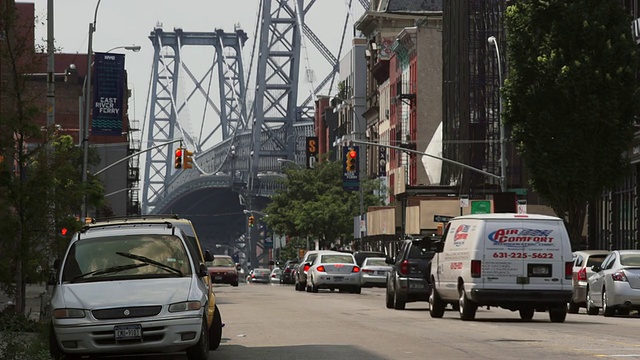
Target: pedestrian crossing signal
(178,159)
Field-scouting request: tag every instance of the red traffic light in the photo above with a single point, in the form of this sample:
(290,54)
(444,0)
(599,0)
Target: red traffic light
(63,231)
(352,154)
(179,152)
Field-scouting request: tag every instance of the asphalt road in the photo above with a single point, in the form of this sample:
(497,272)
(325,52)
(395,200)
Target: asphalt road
(276,322)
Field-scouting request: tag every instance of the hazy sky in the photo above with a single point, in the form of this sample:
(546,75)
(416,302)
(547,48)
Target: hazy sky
(129,22)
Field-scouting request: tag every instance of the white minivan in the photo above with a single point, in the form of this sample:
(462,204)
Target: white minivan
(515,261)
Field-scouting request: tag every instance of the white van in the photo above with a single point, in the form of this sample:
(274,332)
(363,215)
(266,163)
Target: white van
(516,261)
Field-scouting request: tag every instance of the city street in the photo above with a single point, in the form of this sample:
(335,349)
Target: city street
(276,322)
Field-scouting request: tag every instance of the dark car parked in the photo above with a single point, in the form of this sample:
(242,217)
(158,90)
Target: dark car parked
(407,281)
(287,272)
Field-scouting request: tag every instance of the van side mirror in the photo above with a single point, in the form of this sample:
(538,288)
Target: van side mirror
(438,246)
(389,260)
(56,264)
(596,268)
(208,256)
(203,270)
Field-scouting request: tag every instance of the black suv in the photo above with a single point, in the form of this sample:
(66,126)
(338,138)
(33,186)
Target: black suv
(287,272)
(408,281)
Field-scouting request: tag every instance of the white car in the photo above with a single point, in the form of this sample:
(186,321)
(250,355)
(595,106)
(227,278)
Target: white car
(334,270)
(275,275)
(374,272)
(130,288)
(615,284)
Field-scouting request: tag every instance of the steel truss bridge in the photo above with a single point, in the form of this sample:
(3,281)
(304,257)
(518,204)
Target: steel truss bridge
(242,133)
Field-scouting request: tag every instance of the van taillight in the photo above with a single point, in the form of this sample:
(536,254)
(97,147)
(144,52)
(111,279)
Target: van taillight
(582,274)
(476,268)
(404,267)
(568,270)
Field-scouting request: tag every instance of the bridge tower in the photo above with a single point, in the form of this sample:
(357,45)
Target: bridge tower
(168,111)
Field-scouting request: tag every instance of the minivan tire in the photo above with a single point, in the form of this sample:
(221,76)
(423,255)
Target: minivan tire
(390,301)
(573,308)
(436,304)
(558,314)
(467,307)
(215,332)
(200,351)
(399,301)
(526,313)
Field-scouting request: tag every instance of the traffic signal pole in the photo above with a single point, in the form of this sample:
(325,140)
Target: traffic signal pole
(135,154)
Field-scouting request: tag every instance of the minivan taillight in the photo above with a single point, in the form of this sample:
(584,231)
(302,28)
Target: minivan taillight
(582,274)
(568,270)
(404,267)
(476,268)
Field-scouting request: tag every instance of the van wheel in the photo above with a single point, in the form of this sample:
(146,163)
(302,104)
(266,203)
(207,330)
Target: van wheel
(215,332)
(591,310)
(467,307)
(573,308)
(607,310)
(54,349)
(436,305)
(526,313)
(558,314)
(399,301)
(200,351)
(390,300)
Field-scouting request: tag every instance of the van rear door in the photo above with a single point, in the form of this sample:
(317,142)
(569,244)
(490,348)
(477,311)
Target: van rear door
(543,245)
(503,263)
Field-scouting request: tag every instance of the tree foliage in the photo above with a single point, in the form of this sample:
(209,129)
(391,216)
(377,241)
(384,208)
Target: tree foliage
(571,96)
(313,204)
(40,171)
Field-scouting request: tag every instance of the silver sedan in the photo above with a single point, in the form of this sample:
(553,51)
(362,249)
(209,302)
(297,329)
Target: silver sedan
(334,270)
(615,286)
(374,272)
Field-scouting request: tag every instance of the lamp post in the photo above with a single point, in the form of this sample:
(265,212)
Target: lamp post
(503,161)
(280,160)
(87,110)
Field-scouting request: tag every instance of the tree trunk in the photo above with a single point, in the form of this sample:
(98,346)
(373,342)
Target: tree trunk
(576,219)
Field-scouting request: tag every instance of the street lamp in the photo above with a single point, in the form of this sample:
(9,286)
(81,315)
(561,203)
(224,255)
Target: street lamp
(87,103)
(503,161)
(134,48)
(280,160)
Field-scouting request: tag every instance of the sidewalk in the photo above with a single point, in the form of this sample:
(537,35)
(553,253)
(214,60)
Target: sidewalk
(33,300)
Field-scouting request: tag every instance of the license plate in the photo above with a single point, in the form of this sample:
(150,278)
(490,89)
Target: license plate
(382,272)
(218,277)
(338,278)
(540,270)
(128,332)
(416,286)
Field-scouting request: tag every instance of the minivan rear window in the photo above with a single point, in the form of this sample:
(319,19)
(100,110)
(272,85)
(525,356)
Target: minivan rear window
(421,250)
(595,260)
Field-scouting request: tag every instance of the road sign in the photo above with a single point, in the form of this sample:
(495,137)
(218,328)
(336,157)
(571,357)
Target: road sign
(481,207)
(442,218)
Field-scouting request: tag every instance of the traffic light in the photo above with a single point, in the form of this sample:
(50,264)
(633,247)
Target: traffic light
(251,220)
(351,160)
(64,231)
(178,159)
(188,161)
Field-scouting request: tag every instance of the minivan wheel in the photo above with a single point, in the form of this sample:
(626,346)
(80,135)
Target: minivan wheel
(558,314)
(467,307)
(399,301)
(390,300)
(436,305)
(54,349)
(215,332)
(572,308)
(200,351)
(526,313)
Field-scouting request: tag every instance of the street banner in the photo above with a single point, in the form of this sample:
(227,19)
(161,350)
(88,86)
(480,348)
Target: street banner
(108,94)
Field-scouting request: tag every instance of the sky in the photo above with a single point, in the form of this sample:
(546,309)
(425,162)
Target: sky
(129,22)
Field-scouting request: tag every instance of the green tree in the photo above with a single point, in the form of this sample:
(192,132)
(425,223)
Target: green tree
(39,171)
(313,204)
(571,96)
